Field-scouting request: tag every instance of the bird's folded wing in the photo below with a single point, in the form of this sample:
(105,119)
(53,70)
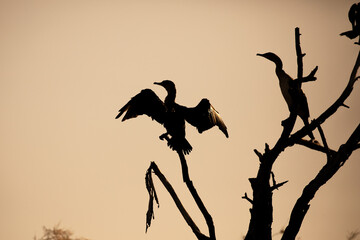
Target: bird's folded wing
(203,116)
(146,102)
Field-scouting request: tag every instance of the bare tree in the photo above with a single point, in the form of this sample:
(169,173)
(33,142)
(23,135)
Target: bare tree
(264,183)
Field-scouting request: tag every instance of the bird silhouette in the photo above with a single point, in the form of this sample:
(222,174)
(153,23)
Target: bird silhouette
(172,115)
(291,91)
(354,18)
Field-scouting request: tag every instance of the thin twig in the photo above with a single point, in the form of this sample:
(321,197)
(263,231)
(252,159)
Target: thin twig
(260,156)
(273,178)
(313,145)
(323,139)
(276,186)
(247,198)
(311,77)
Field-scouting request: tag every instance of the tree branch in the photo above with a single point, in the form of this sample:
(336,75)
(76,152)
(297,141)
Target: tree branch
(310,77)
(152,195)
(322,135)
(313,145)
(336,159)
(247,198)
(276,186)
(170,189)
(262,211)
(335,162)
(196,197)
(260,156)
(332,109)
(299,55)
(357,147)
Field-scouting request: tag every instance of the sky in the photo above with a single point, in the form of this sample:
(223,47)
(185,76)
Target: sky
(66,67)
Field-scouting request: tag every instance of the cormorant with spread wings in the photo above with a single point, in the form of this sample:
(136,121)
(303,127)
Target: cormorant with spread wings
(172,115)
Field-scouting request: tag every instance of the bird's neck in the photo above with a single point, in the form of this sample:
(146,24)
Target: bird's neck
(285,82)
(284,78)
(278,65)
(170,99)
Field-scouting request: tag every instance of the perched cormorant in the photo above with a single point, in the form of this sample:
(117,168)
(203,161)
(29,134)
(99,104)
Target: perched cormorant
(354,18)
(172,115)
(291,91)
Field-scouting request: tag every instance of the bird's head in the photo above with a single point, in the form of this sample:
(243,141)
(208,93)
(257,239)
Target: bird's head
(272,57)
(167,84)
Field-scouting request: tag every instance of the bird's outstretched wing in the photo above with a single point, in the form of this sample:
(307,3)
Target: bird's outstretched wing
(146,102)
(203,116)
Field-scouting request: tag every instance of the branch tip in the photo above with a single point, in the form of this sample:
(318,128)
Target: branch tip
(260,156)
(357,146)
(267,148)
(278,185)
(273,178)
(247,198)
(344,105)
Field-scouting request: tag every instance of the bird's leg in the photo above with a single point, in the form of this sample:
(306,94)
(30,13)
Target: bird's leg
(164,136)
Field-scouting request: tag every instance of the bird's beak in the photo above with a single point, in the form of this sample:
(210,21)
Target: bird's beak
(259,54)
(158,83)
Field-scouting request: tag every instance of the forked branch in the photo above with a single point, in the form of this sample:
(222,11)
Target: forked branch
(336,159)
(150,215)
(152,195)
(332,109)
(262,209)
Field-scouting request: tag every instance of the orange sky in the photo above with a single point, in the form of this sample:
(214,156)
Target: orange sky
(66,67)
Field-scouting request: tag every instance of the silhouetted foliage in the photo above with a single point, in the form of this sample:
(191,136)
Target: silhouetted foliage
(57,233)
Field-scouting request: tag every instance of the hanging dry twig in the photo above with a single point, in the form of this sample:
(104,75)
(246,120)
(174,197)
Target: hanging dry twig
(154,168)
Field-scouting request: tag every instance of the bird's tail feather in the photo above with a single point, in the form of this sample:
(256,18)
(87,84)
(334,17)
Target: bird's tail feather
(180,144)
(122,110)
